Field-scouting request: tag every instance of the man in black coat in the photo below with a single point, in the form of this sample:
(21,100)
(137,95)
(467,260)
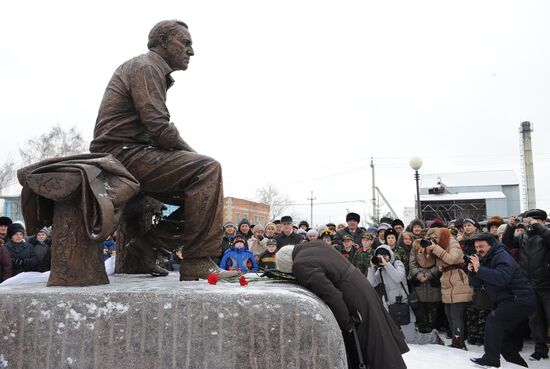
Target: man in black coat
(322,269)
(5,222)
(352,219)
(496,270)
(534,258)
(287,235)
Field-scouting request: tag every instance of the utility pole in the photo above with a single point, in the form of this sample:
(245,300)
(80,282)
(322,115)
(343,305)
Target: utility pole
(374,207)
(311,208)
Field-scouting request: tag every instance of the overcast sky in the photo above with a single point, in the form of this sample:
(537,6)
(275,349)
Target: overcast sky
(301,94)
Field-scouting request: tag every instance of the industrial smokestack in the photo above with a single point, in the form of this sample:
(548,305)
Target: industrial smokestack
(528,170)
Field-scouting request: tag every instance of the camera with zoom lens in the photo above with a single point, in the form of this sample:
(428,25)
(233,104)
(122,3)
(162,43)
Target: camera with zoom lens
(376,261)
(427,242)
(467,258)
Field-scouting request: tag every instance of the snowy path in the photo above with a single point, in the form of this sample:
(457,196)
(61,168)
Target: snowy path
(434,356)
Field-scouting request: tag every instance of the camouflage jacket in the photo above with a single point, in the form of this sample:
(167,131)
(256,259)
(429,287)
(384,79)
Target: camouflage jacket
(361,259)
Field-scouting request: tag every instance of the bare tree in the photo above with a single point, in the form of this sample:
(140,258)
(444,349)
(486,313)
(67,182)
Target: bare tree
(55,143)
(7,174)
(270,195)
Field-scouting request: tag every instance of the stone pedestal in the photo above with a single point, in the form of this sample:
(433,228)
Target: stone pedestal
(141,322)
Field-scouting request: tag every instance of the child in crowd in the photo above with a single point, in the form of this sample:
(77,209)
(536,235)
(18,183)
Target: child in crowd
(267,258)
(238,258)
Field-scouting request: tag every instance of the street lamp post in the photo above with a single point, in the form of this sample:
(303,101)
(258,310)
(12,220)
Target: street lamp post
(416,163)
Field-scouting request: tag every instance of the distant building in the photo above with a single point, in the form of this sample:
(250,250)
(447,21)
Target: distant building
(236,209)
(11,207)
(478,195)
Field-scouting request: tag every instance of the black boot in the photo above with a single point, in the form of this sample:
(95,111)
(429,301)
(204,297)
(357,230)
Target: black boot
(483,362)
(536,356)
(458,342)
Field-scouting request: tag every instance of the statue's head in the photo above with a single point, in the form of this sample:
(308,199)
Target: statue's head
(171,40)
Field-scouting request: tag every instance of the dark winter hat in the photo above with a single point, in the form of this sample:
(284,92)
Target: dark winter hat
(382,251)
(287,219)
(45,230)
(353,216)
(5,221)
(520,225)
(391,231)
(469,220)
(536,214)
(416,222)
(229,224)
(386,220)
(437,223)
(485,236)
(14,228)
(347,237)
(276,221)
(459,223)
(303,222)
(271,241)
(495,221)
(331,225)
(244,221)
(239,239)
(397,222)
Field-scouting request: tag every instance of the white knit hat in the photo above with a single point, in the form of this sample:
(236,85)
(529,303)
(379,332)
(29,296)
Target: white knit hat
(501,228)
(283,259)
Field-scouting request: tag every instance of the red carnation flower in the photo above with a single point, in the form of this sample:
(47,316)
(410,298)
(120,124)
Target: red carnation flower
(243,281)
(213,278)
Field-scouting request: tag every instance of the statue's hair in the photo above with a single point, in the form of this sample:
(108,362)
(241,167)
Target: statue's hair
(168,28)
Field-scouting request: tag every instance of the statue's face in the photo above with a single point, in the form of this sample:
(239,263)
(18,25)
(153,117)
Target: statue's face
(179,50)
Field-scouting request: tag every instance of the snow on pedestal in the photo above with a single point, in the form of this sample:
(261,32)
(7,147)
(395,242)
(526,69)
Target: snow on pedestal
(143,322)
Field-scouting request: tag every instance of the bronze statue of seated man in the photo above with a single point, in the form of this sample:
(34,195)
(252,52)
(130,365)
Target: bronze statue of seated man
(133,125)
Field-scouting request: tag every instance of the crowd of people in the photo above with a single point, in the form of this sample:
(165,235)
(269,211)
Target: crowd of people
(458,272)
(450,276)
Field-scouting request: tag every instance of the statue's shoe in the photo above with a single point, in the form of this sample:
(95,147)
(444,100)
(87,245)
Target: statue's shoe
(200,268)
(156,270)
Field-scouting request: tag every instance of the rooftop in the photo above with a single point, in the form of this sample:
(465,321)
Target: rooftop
(464,179)
(463,196)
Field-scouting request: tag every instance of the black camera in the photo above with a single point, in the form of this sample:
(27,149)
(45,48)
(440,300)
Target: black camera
(467,258)
(427,242)
(376,261)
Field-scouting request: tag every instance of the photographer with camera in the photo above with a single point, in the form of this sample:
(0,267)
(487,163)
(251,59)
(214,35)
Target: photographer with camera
(494,268)
(455,288)
(425,279)
(388,272)
(534,259)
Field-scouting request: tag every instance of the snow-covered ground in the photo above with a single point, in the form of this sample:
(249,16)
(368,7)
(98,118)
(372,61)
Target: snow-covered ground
(439,357)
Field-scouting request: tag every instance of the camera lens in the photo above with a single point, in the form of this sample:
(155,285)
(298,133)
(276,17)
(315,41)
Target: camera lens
(425,243)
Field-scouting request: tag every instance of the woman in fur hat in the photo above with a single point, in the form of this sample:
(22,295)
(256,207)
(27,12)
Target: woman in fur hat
(415,227)
(425,276)
(493,223)
(455,287)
